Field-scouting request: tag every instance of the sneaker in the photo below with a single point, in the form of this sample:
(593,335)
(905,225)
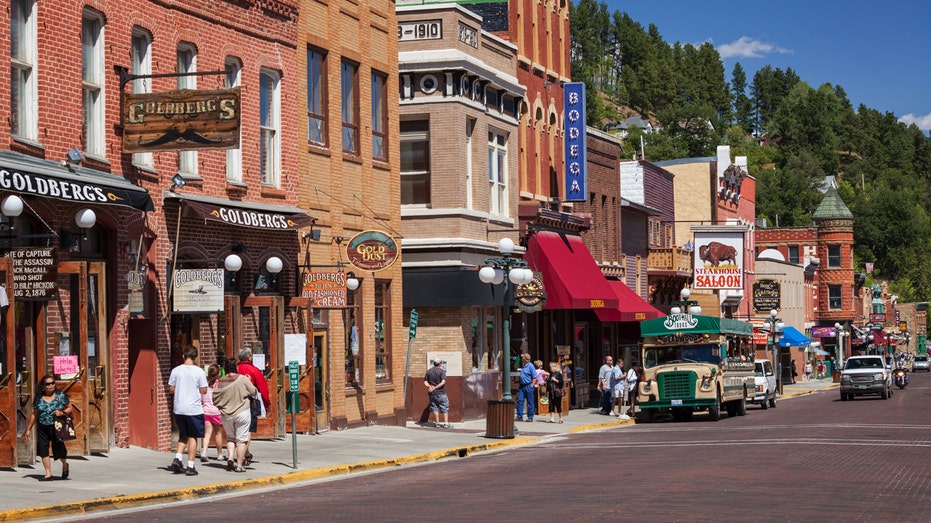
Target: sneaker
(190,471)
(204,458)
(446,426)
(623,416)
(176,466)
(230,465)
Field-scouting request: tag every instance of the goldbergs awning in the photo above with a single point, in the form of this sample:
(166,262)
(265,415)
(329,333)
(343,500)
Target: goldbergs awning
(242,214)
(691,324)
(35,177)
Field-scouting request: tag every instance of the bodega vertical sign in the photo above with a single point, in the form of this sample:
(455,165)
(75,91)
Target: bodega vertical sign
(576,169)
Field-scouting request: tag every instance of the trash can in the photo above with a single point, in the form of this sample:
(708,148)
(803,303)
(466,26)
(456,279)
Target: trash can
(499,422)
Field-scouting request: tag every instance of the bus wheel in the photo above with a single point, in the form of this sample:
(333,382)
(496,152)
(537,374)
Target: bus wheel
(742,407)
(714,411)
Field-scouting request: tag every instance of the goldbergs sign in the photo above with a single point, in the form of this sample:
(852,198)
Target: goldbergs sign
(181,120)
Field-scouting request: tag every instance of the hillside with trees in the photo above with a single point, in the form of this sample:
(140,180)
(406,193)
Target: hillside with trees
(793,135)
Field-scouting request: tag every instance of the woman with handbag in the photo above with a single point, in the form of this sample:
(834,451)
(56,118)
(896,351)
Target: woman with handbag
(555,388)
(50,404)
(232,394)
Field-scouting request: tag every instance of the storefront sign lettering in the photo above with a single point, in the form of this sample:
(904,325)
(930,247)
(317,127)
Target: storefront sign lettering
(326,290)
(372,251)
(576,174)
(35,273)
(245,217)
(197,290)
(72,191)
(531,297)
(181,120)
(767,295)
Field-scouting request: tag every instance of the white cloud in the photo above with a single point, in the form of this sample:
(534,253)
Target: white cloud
(746,47)
(923,122)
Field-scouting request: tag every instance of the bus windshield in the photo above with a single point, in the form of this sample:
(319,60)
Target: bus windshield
(708,353)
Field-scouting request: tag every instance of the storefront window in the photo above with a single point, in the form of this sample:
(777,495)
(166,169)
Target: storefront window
(352,342)
(382,330)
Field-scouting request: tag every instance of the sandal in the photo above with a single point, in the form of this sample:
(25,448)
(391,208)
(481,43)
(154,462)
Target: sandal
(239,469)
(65,470)
(46,478)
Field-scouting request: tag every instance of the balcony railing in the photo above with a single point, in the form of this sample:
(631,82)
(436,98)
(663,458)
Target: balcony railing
(669,259)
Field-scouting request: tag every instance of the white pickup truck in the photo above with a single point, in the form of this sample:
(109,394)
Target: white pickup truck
(765,380)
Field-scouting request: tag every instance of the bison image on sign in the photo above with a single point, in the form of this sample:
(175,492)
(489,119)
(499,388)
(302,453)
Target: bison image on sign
(715,253)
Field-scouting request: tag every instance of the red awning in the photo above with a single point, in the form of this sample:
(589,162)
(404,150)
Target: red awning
(570,275)
(631,307)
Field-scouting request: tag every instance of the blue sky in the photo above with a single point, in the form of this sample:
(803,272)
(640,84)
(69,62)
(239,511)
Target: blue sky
(879,52)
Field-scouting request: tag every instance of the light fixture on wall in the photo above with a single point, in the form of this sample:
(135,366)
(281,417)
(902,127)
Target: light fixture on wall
(73,157)
(85,219)
(12,207)
(177,181)
(232,263)
(352,283)
(273,266)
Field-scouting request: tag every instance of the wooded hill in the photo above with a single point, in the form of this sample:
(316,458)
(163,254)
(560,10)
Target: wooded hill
(793,135)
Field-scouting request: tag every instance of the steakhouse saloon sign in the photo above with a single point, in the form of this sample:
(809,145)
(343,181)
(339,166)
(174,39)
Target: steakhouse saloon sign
(181,120)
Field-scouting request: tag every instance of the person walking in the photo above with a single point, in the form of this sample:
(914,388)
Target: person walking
(213,421)
(188,383)
(525,393)
(633,380)
(555,389)
(435,381)
(249,370)
(233,397)
(49,403)
(618,388)
(605,375)
(808,370)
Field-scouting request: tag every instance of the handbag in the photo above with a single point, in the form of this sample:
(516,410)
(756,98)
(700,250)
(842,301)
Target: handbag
(258,406)
(64,428)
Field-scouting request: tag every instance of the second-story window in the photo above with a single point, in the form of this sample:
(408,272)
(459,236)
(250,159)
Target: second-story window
(92,83)
(415,162)
(316,97)
(234,156)
(834,256)
(835,297)
(793,254)
(349,97)
(23,91)
(379,116)
(270,124)
(498,173)
(142,65)
(187,63)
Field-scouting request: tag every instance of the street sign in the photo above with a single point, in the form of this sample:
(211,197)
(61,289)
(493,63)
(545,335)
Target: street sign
(294,372)
(413,323)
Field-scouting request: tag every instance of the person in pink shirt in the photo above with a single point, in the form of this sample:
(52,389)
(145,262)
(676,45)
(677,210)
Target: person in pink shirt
(213,421)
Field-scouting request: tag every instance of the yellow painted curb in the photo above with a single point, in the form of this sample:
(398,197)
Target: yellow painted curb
(136,500)
(603,425)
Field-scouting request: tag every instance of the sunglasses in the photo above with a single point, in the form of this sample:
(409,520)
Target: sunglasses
(49,383)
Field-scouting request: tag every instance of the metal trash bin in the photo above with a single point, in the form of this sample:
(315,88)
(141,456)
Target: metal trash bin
(499,422)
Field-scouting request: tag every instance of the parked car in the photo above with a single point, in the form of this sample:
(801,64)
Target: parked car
(765,380)
(864,375)
(921,363)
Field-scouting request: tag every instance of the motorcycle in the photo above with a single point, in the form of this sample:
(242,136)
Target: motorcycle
(900,377)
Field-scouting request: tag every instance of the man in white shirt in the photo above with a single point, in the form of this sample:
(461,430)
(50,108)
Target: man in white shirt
(605,374)
(187,382)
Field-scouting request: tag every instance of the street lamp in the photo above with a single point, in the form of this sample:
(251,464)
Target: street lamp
(841,334)
(685,304)
(517,274)
(775,330)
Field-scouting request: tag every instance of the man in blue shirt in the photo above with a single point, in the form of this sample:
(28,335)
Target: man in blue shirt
(525,393)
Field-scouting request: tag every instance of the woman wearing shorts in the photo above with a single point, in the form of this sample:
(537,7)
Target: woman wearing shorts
(231,396)
(213,420)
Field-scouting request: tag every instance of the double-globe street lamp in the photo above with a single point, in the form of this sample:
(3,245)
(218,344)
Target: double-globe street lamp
(775,331)
(517,273)
(842,334)
(685,305)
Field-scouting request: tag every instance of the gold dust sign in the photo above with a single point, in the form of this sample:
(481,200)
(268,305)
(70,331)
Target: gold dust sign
(372,251)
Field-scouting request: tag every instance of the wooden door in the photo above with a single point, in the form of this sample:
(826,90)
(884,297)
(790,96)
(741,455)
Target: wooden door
(97,361)
(320,351)
(29,333)
(9,432)
(67,318)
(262,330)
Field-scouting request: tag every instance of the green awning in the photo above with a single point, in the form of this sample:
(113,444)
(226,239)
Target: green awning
(690,324)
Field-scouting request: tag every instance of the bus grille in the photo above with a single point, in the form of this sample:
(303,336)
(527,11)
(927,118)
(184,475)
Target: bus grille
(676,385)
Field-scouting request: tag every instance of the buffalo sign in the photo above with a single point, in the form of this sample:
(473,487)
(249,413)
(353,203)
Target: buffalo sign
(718,260)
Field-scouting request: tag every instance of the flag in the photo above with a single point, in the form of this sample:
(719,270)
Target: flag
(869,267)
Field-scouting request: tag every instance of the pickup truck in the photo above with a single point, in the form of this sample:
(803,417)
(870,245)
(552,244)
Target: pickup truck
(865,375)
(765,384)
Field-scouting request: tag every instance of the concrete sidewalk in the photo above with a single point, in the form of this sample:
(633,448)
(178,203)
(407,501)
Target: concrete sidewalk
(132,477)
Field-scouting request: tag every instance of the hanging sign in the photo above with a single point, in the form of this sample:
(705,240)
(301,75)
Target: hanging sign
(181,120)
(242,217)
(372,251)
(198,290)
(767,295)
(326,290)
(35,273)
(531,297)
(576,148)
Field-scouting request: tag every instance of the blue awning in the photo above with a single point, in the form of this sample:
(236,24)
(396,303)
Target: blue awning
(791,337)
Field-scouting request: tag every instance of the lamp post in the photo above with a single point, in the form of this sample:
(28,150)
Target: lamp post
(775,332)
(841,335)
(517,274)
(685,305)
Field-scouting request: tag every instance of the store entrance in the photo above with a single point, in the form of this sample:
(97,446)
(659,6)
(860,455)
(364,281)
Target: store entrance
(10,373)
(262,330)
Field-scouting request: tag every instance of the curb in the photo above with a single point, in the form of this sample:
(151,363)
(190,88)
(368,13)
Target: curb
(84,508)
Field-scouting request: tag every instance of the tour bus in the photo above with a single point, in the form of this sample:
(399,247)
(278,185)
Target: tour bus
(695,363)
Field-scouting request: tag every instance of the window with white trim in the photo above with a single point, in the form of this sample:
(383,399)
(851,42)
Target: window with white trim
(233,78)
(349,97)
(92,84)
(270,128)
(498,173)
(187,63)
(23,90)
(142,65)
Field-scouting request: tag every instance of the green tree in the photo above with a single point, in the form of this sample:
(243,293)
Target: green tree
(743,105)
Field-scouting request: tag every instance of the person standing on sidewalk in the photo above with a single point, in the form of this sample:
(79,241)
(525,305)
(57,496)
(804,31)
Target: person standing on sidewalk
(213,421)
(435,381)
(633,379)
(187,383)
(49,403)
(555,388)
(605,375)
(528,374)
(618,388)
(249,370)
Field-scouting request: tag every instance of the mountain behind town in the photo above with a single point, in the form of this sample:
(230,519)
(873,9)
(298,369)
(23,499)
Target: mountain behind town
(796,137)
